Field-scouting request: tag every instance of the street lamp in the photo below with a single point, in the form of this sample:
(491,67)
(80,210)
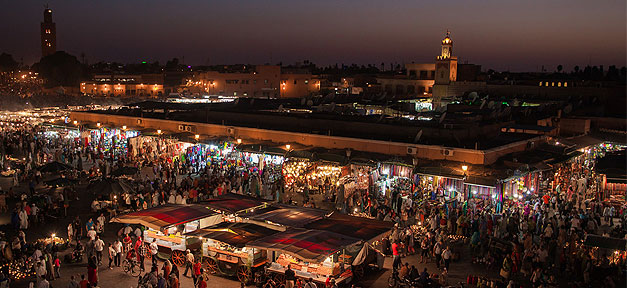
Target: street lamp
(239,141)
(159,131)
(196,136)
(465,168)
(98,124)
(124,127)
(75,122)
(288,146)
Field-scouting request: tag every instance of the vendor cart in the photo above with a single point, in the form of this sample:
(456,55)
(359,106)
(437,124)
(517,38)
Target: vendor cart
(311,254)
(168,225)
(224,250)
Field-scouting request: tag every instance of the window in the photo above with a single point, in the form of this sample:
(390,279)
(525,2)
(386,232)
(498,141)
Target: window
(295,81)
(565,84)
(540,83)
(47,31)
(265,81)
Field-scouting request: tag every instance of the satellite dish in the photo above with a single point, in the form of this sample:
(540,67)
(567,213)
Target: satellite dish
(473,96)
(309,103)
(442,117)
(303,101)
(418,135)
(568,109)
(281,107)
(491,105)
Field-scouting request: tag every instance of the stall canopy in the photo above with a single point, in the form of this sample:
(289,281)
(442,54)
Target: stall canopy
(308,245)
(234,234)
(290,216)
(363,228)
(161,217)
(605,242)
(234,203)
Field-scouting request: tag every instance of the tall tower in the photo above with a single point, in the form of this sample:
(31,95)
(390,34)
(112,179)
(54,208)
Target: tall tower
(445,71)
(48,34)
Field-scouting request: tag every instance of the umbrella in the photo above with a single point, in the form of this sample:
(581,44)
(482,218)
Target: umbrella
(125,170)
(108,186)
(58,182)
(53,167)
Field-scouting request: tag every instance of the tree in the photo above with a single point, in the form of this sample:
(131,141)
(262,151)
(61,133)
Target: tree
(559,68)
(59,69)
(7,63)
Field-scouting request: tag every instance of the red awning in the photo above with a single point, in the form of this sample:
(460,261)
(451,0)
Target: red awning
(308,245)
(162,217)
(359,227)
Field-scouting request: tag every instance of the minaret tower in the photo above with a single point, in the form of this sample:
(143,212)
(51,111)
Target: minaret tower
(445,71)
(48,34)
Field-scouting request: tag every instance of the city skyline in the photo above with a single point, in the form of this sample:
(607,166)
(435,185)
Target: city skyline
(505,36)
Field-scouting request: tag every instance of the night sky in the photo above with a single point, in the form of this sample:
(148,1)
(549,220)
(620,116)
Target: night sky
(500,34)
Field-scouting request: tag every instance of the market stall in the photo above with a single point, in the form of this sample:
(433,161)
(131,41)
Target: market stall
(309,253)
(168,224)
(284,216)
(224,249)
(370,231)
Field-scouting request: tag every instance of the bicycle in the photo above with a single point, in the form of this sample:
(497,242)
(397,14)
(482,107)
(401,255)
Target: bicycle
(131,267)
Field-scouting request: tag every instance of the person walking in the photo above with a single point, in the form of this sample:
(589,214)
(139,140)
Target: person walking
(99,247)
(396,256)
(140,251)
(196,272)
(290,277)
(57,267)
(154,249)
(446,256)
(189,262)
(112,255)
(117,245)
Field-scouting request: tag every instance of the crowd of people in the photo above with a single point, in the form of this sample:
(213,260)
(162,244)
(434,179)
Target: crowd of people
(536,240)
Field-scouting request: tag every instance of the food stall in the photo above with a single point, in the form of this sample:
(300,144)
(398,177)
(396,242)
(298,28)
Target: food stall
(224,250)
(370,231)
(283,216)
(311,254)
(168,224)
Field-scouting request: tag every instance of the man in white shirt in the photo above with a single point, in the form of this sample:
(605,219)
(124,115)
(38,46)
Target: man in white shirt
(117,245)
(99,247)
(91,234)
(153,252)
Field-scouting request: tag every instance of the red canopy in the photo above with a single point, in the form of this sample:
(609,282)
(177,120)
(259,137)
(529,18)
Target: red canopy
(165,216)
(309,245)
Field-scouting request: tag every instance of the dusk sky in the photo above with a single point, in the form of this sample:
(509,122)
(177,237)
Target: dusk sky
(514,35)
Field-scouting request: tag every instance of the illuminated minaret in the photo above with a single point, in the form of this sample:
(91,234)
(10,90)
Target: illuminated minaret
(48,34)
(445,71)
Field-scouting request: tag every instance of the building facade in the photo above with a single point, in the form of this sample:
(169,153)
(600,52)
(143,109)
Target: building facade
(142,86)
(48,34)
(261,81)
